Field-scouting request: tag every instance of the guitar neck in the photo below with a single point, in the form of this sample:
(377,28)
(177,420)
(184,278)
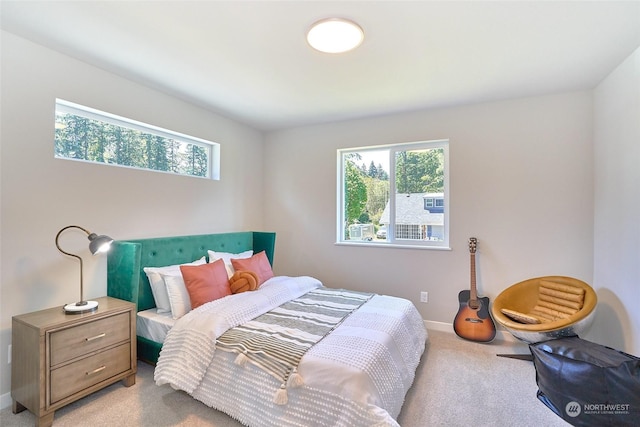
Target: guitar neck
(473,294)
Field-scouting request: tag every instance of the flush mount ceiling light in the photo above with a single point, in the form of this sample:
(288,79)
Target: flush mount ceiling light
(335,35)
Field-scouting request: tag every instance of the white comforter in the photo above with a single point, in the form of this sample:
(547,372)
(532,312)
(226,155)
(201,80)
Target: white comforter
(356,376)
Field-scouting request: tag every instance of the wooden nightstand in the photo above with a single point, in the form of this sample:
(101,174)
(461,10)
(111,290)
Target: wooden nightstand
(58,358)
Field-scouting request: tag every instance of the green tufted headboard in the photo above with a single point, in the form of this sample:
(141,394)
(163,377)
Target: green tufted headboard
(127,258)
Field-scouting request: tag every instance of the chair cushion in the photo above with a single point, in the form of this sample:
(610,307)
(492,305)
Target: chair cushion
(520,317)
(555,301)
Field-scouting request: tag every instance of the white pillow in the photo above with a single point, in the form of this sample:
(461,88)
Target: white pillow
(226,257)
(159,289)
(178,294)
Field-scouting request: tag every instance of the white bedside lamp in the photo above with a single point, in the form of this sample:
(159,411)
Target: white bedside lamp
(97,244)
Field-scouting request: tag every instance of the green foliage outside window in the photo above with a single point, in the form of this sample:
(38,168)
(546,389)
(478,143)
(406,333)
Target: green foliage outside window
(355,192)
(420,171)
(90,139)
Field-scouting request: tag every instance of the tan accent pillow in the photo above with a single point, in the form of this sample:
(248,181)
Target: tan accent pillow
(259,263)
(205,283)
(243,281)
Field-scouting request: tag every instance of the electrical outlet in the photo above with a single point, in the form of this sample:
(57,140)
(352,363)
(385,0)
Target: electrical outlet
(9,355)
(424,296)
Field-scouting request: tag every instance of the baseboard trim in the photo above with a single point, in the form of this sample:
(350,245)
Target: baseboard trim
(501,335)
(5,400)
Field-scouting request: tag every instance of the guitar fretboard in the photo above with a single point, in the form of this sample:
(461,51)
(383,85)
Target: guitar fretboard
(473,295)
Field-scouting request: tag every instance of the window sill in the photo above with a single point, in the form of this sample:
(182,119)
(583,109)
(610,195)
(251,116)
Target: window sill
(392,245)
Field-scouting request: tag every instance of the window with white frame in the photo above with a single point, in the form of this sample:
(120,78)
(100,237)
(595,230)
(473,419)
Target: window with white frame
(394,195)
(87,134)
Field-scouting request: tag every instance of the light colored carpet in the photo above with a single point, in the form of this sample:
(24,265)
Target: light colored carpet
(458,383)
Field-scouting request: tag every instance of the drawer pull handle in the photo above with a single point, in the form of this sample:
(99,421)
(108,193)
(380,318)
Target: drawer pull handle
(95,371)
(96,337)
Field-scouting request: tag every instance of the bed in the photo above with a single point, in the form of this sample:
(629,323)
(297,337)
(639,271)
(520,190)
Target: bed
(357,374)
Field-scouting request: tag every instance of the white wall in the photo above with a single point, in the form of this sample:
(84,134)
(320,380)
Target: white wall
(617,206)
(521,182)
(41,194)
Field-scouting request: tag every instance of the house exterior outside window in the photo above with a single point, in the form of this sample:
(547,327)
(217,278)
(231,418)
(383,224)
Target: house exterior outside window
(418,216)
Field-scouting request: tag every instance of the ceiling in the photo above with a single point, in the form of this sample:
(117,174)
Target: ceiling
(249,60)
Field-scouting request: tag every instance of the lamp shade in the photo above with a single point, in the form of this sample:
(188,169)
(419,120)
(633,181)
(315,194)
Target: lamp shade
(97,244)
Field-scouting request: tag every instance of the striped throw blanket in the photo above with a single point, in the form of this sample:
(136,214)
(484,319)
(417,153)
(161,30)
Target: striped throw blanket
(277,340)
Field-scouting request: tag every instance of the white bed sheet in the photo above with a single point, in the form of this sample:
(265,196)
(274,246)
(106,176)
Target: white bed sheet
(154,326)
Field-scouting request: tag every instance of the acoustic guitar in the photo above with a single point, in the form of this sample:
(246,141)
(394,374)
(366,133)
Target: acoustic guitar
(473,321)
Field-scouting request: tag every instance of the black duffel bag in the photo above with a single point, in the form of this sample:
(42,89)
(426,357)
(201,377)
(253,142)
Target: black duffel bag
(588,384)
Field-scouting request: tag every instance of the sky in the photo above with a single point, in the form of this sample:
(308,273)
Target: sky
(378,157)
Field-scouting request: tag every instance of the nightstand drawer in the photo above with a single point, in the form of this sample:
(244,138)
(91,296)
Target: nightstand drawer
(85,338)
(84,373)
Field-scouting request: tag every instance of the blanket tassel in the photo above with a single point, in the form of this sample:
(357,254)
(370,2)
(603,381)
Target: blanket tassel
(295,379)
(281,397)
(241,359)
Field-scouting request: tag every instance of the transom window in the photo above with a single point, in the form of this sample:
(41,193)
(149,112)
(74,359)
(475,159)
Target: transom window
(394,195)
(87,134)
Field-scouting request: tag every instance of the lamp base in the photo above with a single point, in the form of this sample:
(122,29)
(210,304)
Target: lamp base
(81,307)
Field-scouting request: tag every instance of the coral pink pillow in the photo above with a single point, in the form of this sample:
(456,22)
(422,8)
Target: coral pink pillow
(259,264)
(205,283)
